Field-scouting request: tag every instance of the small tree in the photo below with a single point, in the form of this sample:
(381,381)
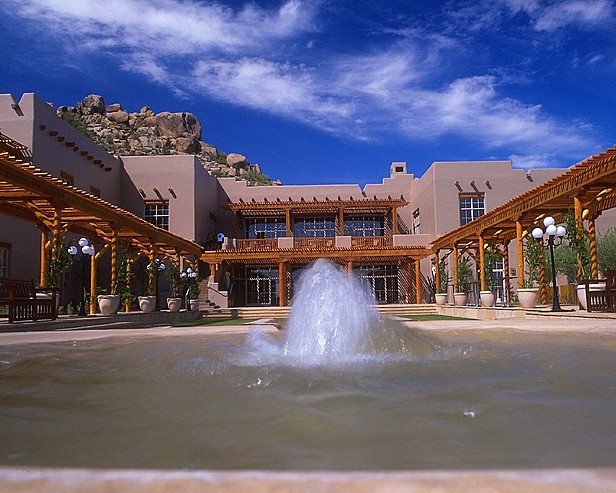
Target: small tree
(533,251)
(443,277)
(124,278)
(606,247)
(58,262)
(490,257)
(464,275)
(578,241)
(175,279)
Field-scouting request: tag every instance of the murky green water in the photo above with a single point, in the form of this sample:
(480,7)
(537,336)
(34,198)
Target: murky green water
(483,401)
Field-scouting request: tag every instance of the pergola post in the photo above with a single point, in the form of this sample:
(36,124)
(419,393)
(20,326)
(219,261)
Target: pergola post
(94,277)
(394,220)
(340,221)
(594,260)
(44,259)
(542,283)
(114,259)
(418,281)
(350,269)
(520,247)
(482,270)
(287,219)
(579,223)
(282,283)
(437,277)
(506,270)
(455,267)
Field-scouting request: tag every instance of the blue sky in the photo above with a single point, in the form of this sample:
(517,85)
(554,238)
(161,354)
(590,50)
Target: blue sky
(320,91)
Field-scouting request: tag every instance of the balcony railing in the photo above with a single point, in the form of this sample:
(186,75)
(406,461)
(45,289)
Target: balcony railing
(316,243)
(372,241)
(257,244)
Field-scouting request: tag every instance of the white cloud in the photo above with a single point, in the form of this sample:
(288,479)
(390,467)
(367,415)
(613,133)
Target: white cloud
(249,57)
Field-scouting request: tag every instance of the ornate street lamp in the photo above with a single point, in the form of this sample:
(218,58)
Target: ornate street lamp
(554,233)
(87,251)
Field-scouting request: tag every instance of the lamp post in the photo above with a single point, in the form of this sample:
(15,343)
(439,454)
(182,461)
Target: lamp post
(87,251)
(188,277)
(554,232)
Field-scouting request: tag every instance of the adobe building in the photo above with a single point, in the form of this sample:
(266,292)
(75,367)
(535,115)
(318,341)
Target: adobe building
(380,233)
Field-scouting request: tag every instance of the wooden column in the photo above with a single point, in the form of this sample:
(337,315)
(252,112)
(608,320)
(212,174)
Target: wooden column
(594,260)
(44,259)
(213,271)
(520,246)
(350,269)
(455,267)
(394,220)
(409,284)
(482,269)
(114,260)
(579,222)
(282,283)
(288,221)
(506,272)
(417,281)
(129,264)
(543,290)
(93,280)
(437,277)
(341,221)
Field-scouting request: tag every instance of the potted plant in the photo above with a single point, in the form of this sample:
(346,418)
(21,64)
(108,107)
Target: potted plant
(463,282)
(443,279)
(174,303)
(528,292)
(490,257)
(147,303)
(120,292)
(192,288)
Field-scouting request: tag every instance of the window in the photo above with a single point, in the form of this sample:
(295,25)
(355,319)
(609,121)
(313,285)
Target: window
(157,213)
(416,222)
(364,226)
(4,260)
(314,227)
(272,227)
(471,207)
(67,178)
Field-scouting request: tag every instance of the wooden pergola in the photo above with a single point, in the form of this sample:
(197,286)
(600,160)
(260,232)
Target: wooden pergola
(587,188)
(300,251)
(56,208)
(336,206)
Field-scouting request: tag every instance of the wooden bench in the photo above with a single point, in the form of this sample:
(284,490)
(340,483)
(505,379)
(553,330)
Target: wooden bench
(602,300)
(25,302)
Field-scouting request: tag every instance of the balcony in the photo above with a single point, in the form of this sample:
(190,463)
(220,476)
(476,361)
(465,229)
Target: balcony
(328,243)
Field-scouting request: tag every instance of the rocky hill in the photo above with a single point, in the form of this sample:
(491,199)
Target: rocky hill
(148,133)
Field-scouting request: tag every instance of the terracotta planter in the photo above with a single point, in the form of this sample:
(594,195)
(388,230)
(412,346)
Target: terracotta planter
(194,305)
(147,303)
(487,298)
(460,299)
(174,304)
(108,303)
(528,297)
(441,298)
(581,292)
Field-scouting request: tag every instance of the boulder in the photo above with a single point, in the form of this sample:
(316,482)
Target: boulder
(114,107)
(118,116)
(92,104)
(176,125)
(186,145)
(237,161)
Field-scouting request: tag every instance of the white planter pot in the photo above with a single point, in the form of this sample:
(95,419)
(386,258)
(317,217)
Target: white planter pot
(528,297)
(460,299)
(108,303)
(147,303)
(174,304)
(487,298)
(581,292)
(441,298)
(194,305)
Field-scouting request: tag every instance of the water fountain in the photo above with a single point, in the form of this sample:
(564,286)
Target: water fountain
(338,389)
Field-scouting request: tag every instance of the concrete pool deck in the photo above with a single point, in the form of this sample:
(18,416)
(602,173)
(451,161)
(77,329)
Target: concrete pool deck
(33,479)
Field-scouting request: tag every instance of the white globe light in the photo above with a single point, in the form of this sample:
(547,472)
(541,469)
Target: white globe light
(85,249)
(72,250)
(561,231)
(551,230)
(161,267)
(83,242)
(548,221)
(183,274)
(537,233)
(189,270)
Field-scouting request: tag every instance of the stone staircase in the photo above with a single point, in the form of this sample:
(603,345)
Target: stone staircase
(256,312)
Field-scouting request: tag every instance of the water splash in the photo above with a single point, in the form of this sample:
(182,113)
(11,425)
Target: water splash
(333,320)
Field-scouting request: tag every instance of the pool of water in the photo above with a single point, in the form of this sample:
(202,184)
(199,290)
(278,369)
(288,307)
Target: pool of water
(478,399)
